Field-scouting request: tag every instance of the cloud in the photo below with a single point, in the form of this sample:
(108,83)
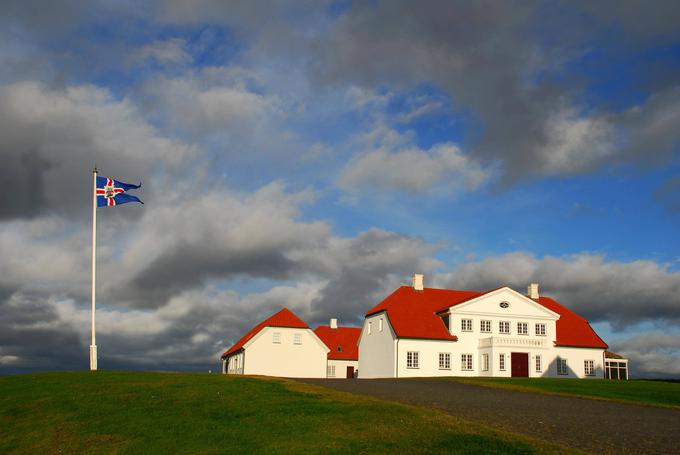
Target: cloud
(621,293)
(53,137)
(494,63)
(163,52)
(210,101)
(413,170)
(652,354)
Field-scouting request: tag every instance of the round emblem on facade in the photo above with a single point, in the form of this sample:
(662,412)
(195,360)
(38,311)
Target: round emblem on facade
(504,304)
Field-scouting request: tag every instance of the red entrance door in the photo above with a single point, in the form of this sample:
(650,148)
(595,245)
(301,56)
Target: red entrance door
(519,364)
(350,372)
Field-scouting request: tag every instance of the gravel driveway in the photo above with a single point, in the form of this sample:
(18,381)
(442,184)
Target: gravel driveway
(596,426)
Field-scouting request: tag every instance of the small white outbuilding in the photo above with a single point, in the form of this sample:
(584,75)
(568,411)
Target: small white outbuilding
(281,345)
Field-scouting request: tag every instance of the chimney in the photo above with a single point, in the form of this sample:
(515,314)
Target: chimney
(418,281)
(334,323)
(532,291)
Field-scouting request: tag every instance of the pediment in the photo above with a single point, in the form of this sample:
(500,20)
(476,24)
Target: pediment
(504,302)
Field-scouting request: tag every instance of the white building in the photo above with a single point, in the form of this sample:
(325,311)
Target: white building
(343,357)
(281,345)
(419,331)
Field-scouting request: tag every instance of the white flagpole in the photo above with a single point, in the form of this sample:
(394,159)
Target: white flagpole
(93,346)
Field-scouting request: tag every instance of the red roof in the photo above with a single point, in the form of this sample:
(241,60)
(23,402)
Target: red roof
(572,329)
(413,315)
(346,338)
(284,318)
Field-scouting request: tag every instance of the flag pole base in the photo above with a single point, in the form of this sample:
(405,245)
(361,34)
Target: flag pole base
(93,357)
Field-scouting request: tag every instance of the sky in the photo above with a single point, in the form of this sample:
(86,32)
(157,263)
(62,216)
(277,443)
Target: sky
(316,154)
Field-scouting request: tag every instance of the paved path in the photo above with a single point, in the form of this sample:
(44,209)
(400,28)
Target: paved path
(592,425)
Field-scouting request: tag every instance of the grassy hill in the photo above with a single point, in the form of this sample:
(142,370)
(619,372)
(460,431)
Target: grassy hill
(124,412)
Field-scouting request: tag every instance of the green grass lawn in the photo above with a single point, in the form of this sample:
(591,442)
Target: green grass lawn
(656,393)
(122,412)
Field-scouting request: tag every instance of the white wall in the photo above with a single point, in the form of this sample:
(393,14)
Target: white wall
(428,358)
(376,349)
(575,362)
(286,359)
(234,363)
(341,367)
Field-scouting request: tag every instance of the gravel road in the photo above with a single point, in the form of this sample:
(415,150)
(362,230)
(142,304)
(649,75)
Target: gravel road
(591,425)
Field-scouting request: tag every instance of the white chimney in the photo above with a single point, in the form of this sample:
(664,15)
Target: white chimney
(532,291)
(334,323)
(418,281)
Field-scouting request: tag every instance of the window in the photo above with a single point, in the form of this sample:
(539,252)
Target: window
(339,348)
(370,327)
(562,366)
(504,327)
(504,305)
(540,329)
(444,361)
(616,369)
(277,338)
(330,371)
(485,326)
(501,362)
(466,325)
(485,362)
(539,364)
(297,338)
(589,367)
(466,362)
(522,328)
(380,324)
(412,359)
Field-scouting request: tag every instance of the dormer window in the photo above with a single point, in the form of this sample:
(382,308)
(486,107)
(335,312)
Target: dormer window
(339,348)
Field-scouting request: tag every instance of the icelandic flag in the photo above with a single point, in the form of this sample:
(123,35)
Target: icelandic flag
(112,192)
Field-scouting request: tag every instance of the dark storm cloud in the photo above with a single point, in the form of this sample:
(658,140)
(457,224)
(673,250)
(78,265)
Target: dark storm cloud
(187,266)
(52,138)
(367,269)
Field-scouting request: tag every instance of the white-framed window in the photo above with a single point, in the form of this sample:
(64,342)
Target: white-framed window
(412,360)
(370,327)
(589,367)
(466,325)
(276,338)
(466,362)
(562,366)
(485,362)
(485,326)
(330,371)
(504,327)
(540,329)
(297,338)
(501,362)
(539,364)
(522,328)
(444,360)
(380,324)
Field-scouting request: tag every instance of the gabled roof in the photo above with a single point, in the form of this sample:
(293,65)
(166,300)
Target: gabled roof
(344,337)
(413,315)
(284,318)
